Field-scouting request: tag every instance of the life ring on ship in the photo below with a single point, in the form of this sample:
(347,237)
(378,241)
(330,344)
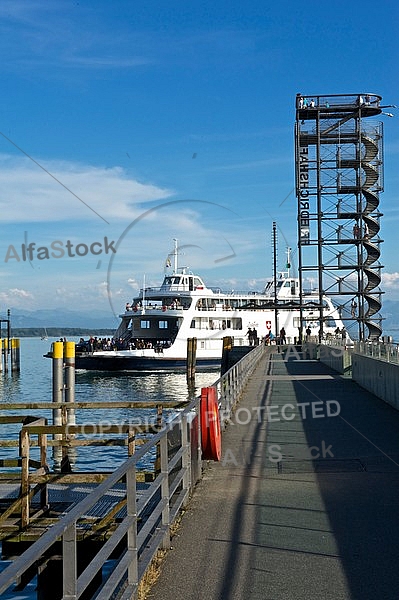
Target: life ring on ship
(211,435)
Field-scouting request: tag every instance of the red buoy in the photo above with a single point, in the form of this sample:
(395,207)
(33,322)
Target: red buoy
(211,435)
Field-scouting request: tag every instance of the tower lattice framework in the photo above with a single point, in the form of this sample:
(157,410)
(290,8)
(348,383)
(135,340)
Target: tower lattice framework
(339,177)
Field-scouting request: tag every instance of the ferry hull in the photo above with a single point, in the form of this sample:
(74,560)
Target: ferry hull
(134,363)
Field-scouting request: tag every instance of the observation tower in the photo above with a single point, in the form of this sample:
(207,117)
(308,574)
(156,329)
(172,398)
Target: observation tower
(339,178)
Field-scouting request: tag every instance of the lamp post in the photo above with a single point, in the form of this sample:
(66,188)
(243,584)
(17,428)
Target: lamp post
(275,278)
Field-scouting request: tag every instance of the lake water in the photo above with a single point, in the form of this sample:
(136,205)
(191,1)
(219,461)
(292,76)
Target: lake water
(34,384)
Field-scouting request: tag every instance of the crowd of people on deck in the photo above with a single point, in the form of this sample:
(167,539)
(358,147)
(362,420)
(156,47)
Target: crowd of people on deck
(270,338)
(95,344)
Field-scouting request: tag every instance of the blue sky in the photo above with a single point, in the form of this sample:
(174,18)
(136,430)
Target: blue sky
(171,120)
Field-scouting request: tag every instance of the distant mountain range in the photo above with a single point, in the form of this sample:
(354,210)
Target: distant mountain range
(46,318)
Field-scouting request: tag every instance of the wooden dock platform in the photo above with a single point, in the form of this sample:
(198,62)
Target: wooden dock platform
(98,524)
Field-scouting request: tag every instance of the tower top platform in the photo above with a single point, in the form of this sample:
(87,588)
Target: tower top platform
(336,105)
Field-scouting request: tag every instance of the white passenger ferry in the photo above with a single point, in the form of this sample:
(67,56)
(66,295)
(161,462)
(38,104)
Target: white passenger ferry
(155,326)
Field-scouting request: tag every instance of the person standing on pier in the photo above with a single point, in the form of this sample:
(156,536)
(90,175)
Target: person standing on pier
(254,337)
(250,335)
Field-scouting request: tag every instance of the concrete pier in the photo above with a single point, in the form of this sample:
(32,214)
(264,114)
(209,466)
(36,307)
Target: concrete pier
(304,503)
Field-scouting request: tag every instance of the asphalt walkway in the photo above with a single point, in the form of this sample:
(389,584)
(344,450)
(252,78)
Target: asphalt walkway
(305,502)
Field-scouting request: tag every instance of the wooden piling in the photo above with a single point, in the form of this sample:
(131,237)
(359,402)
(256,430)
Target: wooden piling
(69,360)
(227,347)
(15,355)
(191,360)
(69,454)
(58,388)
(5,355)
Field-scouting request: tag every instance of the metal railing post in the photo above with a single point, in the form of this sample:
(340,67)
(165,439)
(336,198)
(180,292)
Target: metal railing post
(69,563)
(42,440)
(163,443)
(131,488)
(24,453)
(186,458)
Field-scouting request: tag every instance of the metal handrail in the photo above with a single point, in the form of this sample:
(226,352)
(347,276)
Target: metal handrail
(139,551)
(386,352)
(65,528)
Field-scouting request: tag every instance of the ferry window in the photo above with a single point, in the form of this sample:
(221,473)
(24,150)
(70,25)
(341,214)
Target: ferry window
(197,281)
(192,326)
(186,303)
(176,280)
(296,322)
(287,284)
(163,324)
(168,280)
(202,344)
(145,324)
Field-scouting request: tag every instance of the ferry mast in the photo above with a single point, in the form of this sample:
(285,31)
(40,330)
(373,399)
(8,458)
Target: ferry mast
(339,177)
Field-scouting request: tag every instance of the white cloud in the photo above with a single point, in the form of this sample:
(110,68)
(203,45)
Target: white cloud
(15,297)
(214,242)
(107,193)
(92,291)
